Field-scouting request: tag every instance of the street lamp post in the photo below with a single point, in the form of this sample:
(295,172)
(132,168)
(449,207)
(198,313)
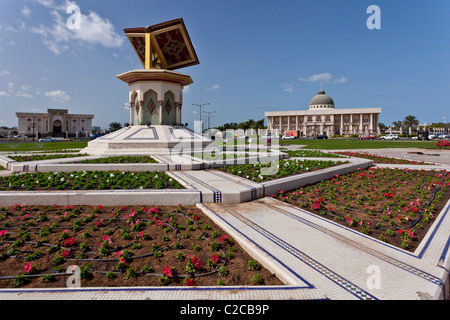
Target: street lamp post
(33,125)
(209,117)
(200,105)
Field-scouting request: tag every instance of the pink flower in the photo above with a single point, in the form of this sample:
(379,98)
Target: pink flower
(122,260)
(65,253)
(119,253)
(141,233)
(28,267)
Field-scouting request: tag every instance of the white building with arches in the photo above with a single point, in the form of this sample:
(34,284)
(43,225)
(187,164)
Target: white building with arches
(56,122)
(323,118)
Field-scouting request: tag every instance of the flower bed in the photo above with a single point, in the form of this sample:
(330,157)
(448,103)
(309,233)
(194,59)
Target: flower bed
(89,180)
(397,206)
(36,157)
(122,159)
(380,159)
(284,168)
(139,246)
(311,153)
(443,144)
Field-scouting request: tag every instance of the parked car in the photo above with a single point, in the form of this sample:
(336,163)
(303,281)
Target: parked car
(415,138)
(367,137)
(47,140)
(389,137)
(321,136)
(287,137)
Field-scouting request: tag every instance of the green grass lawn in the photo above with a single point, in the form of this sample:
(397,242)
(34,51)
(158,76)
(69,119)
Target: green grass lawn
(340,144)
(41,146)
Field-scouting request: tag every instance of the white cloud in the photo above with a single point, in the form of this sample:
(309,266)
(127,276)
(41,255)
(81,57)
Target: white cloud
(47,3)
(25,87)
(23,95)
(5,73)
(325,77)
(341,80)
(317,77)
(4,94)
(213,87)
(93,30)
(288,87)
(57,96)
(26,12)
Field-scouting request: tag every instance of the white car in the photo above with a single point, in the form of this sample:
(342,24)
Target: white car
(415,138)
(287,137)
(389,137)
(47,140)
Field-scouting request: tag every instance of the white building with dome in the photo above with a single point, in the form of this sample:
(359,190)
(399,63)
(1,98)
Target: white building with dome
(323,118)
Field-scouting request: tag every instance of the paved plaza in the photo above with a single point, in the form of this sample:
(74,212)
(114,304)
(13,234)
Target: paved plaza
(315,257)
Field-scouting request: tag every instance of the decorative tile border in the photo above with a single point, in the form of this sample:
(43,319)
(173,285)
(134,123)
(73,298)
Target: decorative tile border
(301,256)
(415,271)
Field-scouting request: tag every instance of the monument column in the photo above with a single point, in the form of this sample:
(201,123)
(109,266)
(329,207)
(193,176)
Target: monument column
(160,107)
(131,113)
(141,113)
(177,112)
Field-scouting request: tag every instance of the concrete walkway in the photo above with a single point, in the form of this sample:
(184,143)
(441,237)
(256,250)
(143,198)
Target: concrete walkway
(315,258)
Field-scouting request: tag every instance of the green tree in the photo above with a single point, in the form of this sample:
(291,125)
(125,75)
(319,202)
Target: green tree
(382,126)
(397,125)
(410,121)
(114,126)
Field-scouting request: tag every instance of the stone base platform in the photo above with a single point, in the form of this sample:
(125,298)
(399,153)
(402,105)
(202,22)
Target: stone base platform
(143,140)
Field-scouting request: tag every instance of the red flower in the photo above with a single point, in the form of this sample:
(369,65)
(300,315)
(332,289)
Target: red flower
(65,253)
(167,271)
(215,258)
(222,238)
(189,283)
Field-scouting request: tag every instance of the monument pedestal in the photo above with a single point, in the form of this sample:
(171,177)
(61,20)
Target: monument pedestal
(148,140)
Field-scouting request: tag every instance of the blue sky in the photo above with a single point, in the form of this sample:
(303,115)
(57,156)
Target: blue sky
(255,56)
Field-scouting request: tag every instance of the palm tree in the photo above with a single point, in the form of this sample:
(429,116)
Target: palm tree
(410,121)
(397,125)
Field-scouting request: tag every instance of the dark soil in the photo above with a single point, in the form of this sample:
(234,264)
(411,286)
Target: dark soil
(360,202)
(23,239)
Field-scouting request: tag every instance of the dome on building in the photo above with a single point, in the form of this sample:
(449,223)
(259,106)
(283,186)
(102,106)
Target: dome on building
(321,101)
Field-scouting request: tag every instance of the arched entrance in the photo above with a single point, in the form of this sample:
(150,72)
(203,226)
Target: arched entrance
(57,126)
